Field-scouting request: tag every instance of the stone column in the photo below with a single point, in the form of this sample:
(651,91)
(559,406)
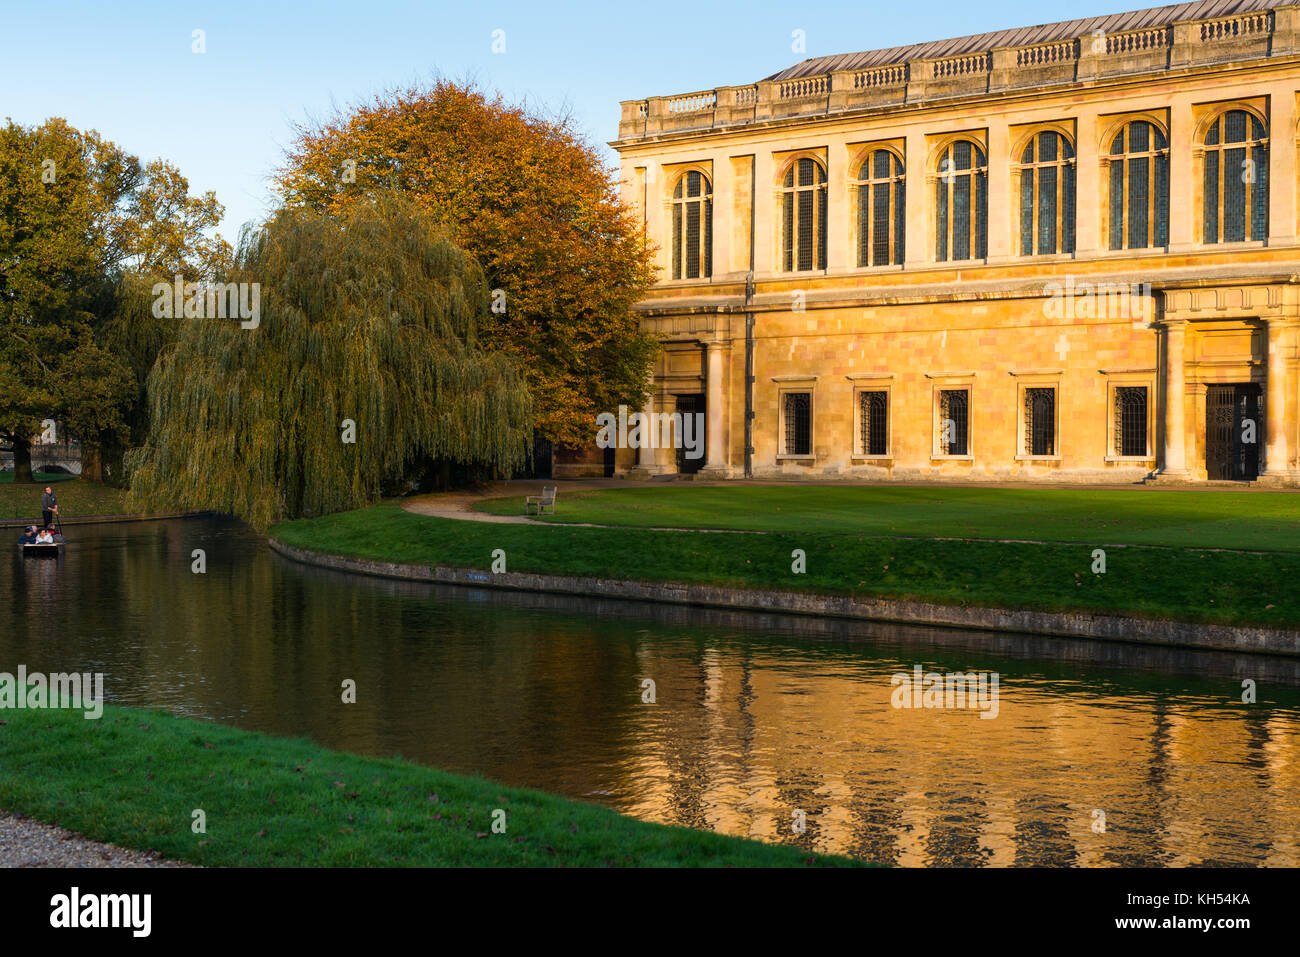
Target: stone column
(715,464)
(647,463)
(1277,453)
(1175,463)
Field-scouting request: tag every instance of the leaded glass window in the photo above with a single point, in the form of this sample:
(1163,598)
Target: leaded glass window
(881,213)
(1236,179)
(1139,187)
(961,203)
(1131,420)
(1040,421)
(797,413)
(1047,195)
(692,227)
(873,422)
(803,216)
(954,423)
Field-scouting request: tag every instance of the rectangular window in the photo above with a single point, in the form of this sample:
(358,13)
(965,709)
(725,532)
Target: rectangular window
(900,221)
(821,229)
(954,422)
(1117,204)
(961,211)
(677,241)
(1047,210)
(1234,195)
(708,237)
(1131,421)
(806,224)
(873,423)
(797,414)
(1139,172)
(941,204)
(692,240)
(1040,421)
(1027,212)
(1259,193)
(1212,197)
(864,225)
(1162,200)
(787,217)
(880,216)
(1067,216)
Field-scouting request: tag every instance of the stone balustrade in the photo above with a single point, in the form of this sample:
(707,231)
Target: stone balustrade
(1246,36)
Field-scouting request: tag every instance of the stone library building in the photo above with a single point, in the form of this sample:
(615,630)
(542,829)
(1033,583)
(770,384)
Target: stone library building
(1062,253)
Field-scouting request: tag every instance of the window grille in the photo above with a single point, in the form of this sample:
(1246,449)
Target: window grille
(1131,420)
(1040,421)
(692,227)
(1047,195)
(1139,187)
(803,211)
(953,422)
(881,214)
(961,203)
(1235,193)
(873,422)
(798,423)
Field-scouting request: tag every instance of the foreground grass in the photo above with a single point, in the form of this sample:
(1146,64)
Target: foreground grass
(1180,584)
(76,497)
(134,778)
(1140,516)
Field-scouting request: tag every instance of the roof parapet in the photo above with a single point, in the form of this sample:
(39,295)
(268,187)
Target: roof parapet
(1251,35)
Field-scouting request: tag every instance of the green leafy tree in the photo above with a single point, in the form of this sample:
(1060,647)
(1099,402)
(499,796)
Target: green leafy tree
(80,221)
(369,315)
(55,188)
(534,203)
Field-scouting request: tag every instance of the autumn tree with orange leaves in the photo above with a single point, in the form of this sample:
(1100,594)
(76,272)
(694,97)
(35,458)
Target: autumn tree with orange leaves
(533,202)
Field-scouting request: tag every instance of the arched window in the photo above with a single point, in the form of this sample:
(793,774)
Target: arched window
(1047,195)
(961,203)
(1139,187)
(803,216)
(881,213)
(692,227)
(1236,179)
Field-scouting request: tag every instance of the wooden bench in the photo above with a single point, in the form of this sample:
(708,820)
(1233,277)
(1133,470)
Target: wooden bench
(541,502)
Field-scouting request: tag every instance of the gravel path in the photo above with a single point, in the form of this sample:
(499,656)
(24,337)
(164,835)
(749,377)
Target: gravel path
(460,504)
(28,843)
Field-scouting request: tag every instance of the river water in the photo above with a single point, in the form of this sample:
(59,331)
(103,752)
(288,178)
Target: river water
(1101,754)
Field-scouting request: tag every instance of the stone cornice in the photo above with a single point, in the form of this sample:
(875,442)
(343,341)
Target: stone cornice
(1250,39)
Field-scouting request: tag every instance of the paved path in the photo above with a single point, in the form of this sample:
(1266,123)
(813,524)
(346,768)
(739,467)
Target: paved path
(28,843)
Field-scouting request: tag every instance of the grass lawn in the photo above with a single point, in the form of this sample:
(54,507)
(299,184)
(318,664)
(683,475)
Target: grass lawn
(76,498)
(135,777)
(1181,583)
(1140,516)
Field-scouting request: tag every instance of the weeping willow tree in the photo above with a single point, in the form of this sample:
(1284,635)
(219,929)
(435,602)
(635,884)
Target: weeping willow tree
(363,363)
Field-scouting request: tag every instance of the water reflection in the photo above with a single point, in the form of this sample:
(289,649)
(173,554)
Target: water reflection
(756,717)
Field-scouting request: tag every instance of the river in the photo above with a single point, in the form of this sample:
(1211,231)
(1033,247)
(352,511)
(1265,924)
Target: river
(1101,754)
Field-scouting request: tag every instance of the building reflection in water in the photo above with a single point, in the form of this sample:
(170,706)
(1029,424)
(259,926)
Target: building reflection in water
(756,717)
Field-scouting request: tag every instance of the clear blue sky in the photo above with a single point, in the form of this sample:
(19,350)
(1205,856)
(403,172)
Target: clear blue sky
(225,117)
